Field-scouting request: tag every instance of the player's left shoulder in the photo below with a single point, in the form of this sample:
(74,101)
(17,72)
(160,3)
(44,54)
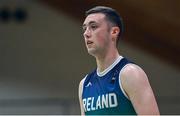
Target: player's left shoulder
(133,74)
(134,70)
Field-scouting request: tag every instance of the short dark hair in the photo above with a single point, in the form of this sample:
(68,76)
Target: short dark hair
(111,15)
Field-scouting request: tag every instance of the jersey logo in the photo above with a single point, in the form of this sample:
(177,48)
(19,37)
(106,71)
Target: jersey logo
(113,80)
(89,84)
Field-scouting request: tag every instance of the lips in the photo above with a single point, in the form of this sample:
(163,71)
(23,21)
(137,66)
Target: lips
(89,42)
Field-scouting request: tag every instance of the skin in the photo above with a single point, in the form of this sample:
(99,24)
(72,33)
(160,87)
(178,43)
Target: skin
(100,40)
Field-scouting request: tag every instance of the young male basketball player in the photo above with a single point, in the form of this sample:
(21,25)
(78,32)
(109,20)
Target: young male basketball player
(117,86)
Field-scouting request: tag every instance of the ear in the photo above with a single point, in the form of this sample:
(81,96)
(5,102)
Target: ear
(115,32)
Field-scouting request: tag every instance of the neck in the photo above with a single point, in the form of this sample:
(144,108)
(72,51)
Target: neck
(104,61)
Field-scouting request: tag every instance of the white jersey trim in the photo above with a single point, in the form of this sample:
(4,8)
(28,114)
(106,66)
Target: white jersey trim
(120,84)
(100,74)
(81,88)
(82,85)
(83,82)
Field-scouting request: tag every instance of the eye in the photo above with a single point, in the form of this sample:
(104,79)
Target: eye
(93,27)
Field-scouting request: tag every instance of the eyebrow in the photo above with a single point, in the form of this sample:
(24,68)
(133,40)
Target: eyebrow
(91,22)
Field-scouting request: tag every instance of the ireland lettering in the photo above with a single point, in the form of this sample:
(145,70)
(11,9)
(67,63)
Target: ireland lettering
(101,102)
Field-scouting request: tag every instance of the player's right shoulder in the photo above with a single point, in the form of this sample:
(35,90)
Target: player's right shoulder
(80,94)
(82,82)
(81,86)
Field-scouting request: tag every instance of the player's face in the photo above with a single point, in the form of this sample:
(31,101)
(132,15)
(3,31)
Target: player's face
(96,33)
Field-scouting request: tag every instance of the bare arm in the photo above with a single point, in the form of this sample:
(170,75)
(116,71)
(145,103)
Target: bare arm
(80,96)
(138,89)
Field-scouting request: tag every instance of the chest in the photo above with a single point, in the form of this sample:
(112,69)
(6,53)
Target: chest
(96,85)
(101,92)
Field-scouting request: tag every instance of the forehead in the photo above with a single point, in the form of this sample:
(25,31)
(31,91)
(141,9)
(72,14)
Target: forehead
(95,17)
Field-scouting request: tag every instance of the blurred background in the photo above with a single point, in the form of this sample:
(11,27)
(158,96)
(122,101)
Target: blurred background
(43,56)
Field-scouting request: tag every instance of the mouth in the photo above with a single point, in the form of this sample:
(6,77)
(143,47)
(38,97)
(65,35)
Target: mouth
(89,42)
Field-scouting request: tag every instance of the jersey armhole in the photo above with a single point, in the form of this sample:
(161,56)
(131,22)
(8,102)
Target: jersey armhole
(120,83)
(81,87)
(82,84)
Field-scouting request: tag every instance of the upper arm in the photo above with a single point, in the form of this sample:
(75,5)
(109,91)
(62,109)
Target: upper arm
(136,85)
(80,96)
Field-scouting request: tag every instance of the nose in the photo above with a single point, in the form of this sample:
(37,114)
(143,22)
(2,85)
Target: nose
(87,34)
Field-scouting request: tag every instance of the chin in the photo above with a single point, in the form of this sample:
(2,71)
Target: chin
(92,52)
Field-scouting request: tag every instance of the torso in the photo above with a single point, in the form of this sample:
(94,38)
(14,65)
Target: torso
(102,92)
